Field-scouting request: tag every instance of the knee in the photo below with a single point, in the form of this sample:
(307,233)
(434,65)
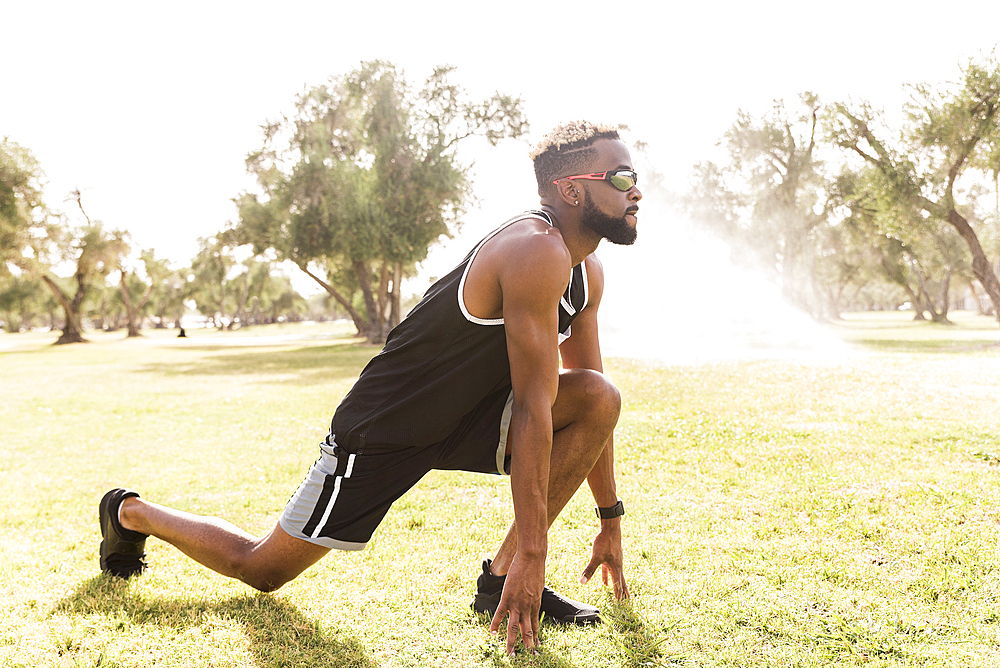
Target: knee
(261,576)
(264,581)
(600,399)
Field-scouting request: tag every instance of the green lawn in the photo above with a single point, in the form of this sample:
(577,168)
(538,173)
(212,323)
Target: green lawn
(833,512)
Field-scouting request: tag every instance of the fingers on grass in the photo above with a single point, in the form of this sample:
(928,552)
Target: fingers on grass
(497,619)
(528,630)
(512,626)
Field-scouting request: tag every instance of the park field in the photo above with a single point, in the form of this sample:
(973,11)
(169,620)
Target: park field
(822,510)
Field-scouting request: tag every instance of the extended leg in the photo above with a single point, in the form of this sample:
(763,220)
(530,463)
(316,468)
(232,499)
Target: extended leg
(264,563)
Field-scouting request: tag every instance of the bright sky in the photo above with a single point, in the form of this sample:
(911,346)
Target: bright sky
(150,108)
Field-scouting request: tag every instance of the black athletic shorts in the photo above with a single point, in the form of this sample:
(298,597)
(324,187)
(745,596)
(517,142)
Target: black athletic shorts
(345,496)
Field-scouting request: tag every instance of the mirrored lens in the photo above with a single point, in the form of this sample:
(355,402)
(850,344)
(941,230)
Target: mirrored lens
(623,180)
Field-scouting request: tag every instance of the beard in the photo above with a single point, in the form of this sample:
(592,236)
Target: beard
(615,230)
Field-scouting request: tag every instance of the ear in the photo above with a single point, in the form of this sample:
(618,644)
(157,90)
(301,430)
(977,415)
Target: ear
(568,192)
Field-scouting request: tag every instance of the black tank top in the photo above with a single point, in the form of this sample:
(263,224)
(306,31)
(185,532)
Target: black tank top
(437,365)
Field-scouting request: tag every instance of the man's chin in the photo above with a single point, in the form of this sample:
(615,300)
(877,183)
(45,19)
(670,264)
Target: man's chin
(623,240)
(623,236)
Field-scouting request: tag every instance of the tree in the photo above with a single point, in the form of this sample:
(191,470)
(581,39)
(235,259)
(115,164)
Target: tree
(895,243)
(235,293)
(364,179)
(166,302)
(210,268)
(135,290)
(949,135)
(95,254)
(22,302)
(23,216)
(24,230)
(767,200)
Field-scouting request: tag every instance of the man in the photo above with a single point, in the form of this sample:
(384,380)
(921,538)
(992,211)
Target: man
(469,380)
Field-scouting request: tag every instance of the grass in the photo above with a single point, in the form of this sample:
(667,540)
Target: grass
(899,332)
(835,512)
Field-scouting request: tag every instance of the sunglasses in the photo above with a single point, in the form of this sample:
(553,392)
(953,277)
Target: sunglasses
(623,179)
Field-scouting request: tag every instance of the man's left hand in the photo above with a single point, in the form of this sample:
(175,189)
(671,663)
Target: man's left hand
(607,554)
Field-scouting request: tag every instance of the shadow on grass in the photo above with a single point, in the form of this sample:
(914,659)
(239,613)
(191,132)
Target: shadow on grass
(546,658)
(278,634)
(632,641)
(310,364)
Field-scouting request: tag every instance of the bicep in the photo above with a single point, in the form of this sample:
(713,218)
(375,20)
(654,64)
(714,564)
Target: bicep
(531,320)
(533,350)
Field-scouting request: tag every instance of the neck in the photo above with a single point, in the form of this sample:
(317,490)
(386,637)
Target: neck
(580,240)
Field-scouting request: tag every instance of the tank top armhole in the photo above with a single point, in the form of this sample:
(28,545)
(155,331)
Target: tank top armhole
(472,258)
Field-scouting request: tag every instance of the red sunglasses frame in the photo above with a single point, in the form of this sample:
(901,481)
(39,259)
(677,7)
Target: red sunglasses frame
(604,176)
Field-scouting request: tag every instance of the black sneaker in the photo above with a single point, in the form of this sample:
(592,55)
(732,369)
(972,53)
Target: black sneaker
(555,607)
(122,550)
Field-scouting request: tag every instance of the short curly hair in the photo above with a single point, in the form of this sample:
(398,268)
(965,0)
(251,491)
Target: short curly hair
(567,149)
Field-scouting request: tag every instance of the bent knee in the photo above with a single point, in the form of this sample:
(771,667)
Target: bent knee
(250,569)
(592,395)
(266,581)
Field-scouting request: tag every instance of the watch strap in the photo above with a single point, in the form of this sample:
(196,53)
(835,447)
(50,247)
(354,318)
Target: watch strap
(616,510)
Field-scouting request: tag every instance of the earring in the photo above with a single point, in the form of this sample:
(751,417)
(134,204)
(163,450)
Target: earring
(576,202)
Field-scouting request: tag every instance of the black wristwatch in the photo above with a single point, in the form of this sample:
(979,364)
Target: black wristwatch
(616,510)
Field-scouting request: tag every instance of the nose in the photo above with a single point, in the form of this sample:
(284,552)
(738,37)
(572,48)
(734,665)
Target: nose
(634,194)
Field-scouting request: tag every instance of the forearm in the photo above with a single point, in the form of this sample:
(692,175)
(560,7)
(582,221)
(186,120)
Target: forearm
(531,447)
(602,477)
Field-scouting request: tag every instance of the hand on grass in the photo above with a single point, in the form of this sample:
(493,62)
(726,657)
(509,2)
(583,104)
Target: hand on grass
(607,554)
(521,599)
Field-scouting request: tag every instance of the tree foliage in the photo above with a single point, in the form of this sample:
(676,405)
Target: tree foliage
(905,211)
(95,253)
(23,215)
(363,179)
(952,135)
(767,199)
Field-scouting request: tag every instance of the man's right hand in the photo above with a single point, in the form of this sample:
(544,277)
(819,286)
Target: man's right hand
(521,599)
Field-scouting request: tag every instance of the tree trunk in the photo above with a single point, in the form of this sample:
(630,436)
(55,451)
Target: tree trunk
(396,310)
(241,306)
(376,323)
(975,297)
(945,298)
(980,264)
(71,328)
(130,313)
(356,317)
(383,292)
(915,301)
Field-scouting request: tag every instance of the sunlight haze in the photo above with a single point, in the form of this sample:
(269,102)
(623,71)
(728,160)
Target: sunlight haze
(151,111)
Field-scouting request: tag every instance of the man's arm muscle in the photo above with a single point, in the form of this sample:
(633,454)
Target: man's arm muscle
(533,275)
(532,287)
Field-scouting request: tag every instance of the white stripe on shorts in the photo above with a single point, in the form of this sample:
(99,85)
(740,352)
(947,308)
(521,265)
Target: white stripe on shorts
(333,497)
(303,503)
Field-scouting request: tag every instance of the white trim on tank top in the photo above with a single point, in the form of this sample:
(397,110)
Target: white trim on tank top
(499,321)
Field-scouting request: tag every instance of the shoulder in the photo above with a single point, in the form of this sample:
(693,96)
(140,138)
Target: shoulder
(530,252)
(535,238)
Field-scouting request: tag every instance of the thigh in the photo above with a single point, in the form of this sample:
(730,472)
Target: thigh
(345,496)
(479,441)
